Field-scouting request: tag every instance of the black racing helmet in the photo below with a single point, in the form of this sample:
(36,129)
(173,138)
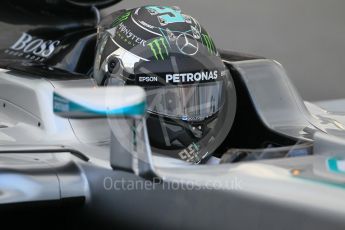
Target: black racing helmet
(190,93)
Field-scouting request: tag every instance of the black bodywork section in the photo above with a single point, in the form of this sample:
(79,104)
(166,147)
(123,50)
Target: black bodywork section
(58,44)
(72,53)
(248,131)
(71,8)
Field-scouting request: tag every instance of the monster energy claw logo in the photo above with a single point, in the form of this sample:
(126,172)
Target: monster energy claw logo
(121,18)
(208,42)
(159,48)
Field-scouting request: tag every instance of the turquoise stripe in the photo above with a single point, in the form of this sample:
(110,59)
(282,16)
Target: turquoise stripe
(333,166)
(63,105)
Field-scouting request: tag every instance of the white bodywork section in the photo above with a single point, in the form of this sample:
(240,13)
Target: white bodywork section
(26,113)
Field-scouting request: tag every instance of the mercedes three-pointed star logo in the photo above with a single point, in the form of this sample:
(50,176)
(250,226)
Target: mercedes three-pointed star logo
(187,44)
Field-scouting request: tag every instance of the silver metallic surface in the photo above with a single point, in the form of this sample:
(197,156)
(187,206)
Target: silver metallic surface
(40,177)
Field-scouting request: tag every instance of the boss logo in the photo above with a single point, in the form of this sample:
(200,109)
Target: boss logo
(36,46)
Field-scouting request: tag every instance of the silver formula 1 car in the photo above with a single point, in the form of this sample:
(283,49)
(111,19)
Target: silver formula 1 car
(74,154)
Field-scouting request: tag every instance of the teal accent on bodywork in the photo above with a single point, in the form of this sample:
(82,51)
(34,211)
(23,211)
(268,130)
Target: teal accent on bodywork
(333,167)
(322,182)
(332,164)
(63,105)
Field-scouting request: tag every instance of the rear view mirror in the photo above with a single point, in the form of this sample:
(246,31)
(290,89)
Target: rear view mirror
(84,103)
(123,106)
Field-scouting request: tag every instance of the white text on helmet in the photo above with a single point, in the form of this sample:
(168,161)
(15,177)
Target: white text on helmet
(191,77)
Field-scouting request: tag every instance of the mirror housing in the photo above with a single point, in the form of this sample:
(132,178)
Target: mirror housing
(125,109)
(100,102)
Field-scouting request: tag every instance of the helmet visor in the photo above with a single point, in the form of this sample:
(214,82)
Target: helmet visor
(194,102)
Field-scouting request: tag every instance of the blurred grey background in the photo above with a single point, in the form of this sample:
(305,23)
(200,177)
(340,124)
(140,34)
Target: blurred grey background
(306,36)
